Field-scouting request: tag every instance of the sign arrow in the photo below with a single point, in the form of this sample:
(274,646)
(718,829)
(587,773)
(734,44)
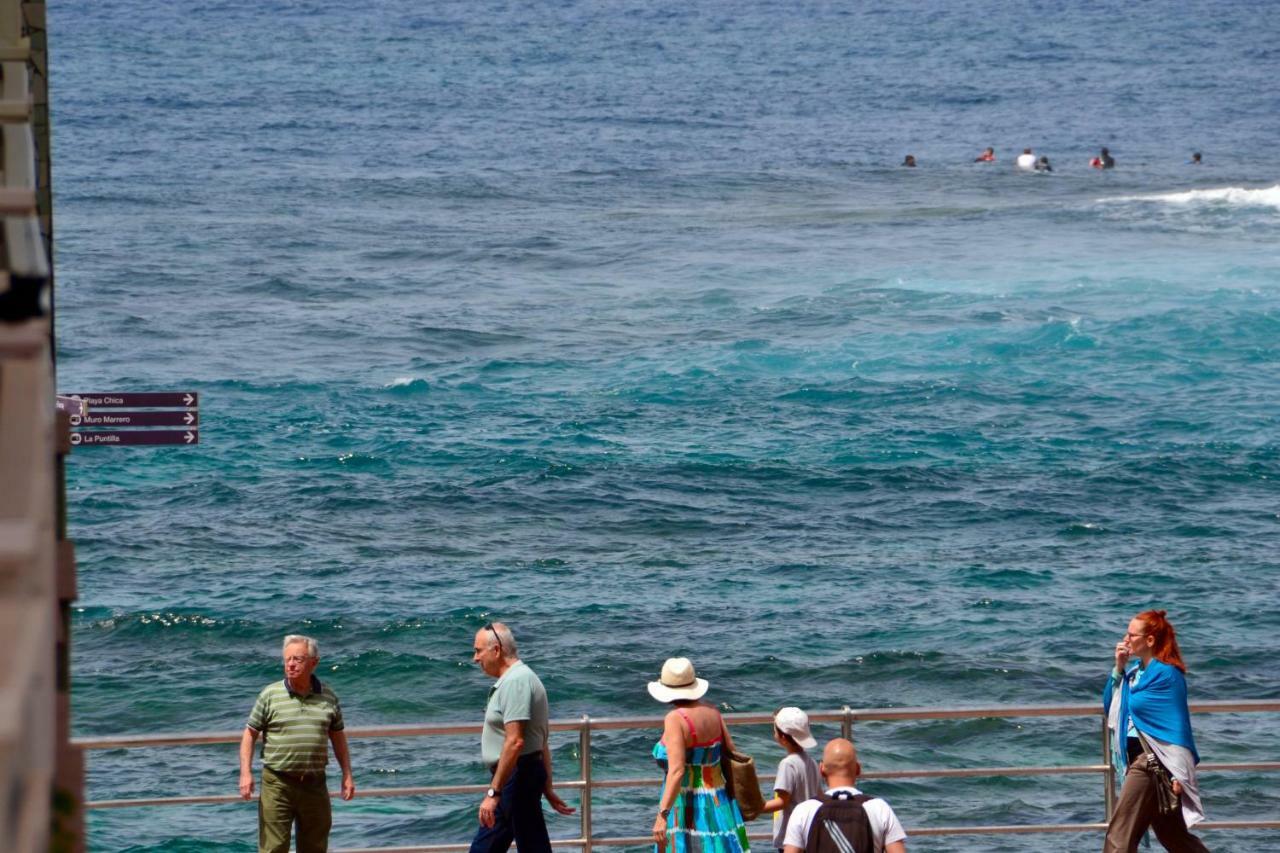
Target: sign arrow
(119,418)
(125,438)
(141,400)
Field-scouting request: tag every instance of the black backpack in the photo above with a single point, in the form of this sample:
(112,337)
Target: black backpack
(841,825)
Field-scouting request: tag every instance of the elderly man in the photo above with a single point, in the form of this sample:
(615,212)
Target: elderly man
(297,718)
(843,818)
(513,745)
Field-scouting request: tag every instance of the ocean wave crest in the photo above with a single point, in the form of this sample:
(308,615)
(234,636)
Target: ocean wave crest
(1231,196)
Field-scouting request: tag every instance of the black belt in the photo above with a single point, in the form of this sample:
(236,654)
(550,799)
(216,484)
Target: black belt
(308,778)
(527,758)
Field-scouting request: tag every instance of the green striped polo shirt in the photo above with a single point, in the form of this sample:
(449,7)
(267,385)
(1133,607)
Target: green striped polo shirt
(295,729)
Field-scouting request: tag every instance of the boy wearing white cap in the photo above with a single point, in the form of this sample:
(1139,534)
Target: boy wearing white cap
(798,778)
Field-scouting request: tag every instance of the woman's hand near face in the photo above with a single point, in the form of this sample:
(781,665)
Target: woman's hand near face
(1122,654)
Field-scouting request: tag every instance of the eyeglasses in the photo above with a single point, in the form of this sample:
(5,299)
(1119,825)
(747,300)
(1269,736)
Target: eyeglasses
(297,658)
(488,626)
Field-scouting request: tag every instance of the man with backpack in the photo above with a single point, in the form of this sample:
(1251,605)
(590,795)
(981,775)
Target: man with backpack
(844,820)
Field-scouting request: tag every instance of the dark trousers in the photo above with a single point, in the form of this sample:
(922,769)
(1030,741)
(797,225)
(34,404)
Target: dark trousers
(519,816)
(1136,811)
(284,801)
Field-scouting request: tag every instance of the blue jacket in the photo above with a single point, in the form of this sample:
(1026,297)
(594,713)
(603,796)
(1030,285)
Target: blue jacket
(1157,704)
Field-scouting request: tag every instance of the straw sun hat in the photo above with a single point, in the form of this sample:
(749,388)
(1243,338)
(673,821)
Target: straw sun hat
(678,681)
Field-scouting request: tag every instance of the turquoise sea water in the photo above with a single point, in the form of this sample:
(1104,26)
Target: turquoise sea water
(620,322)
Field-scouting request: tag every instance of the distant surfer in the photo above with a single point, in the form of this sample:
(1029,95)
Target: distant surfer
(909,161)
(1026,160)
(1104,160)
(1195,160)
(1042,165)
(988,156)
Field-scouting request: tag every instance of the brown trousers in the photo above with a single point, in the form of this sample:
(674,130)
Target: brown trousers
(1136,810)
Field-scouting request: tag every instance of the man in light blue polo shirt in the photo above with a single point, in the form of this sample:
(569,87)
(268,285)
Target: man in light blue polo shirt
(514,746)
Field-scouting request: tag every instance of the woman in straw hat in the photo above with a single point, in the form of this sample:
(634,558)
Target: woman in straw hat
(695,814)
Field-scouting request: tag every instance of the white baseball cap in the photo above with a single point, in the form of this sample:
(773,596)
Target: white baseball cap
(794,722)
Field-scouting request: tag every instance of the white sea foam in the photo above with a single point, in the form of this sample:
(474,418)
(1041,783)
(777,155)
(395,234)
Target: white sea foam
(1233,196)
(400,382)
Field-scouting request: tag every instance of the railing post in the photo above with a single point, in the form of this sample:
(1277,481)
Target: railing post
(584,807)
(1109,785)
(846,725)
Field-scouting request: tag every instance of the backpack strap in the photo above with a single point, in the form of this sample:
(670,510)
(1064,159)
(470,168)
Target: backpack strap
(842,808)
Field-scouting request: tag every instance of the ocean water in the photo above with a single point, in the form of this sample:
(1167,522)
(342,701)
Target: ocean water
(620,322)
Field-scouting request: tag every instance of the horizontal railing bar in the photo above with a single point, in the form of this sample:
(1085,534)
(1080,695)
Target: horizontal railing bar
(919,831)
(618,723)
(578,784)
(137,741)
(164,801)
(452,848)
(420,791)
(1008,829)
(921,773)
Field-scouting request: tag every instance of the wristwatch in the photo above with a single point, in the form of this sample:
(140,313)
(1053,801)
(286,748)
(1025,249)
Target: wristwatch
(491,793)
(664,813)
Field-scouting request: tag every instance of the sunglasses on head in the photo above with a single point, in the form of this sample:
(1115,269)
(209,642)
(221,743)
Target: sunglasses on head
(488,626)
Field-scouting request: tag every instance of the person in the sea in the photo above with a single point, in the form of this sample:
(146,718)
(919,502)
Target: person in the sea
(1145,700)
(1195,160)
(298,718)
(909,160)
(695,812)
(1104,160)
(988,156)
(798,778)
(1026,160)
(1042,165)
(514,747)
(844,818)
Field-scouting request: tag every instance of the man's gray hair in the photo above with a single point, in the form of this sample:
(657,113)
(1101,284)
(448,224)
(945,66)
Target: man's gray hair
(313,648)
(500,635)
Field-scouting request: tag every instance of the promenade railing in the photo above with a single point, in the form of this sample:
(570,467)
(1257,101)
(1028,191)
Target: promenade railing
(846,717)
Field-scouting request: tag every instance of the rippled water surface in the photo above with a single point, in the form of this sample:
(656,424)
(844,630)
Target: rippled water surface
(620,322)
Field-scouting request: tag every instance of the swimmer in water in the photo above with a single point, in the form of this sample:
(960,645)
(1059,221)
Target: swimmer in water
(988,156)
(1104,160)
(1042,165)
(1195,160)
(1026,160)
(910,161)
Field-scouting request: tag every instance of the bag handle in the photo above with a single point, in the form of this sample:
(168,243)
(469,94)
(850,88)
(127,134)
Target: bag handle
(726,759)
(1146,748)
(1161,776)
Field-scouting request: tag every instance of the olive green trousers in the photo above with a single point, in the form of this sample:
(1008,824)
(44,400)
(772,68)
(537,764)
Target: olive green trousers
(284,801)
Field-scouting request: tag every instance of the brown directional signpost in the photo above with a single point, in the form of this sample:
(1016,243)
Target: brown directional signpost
(128,418)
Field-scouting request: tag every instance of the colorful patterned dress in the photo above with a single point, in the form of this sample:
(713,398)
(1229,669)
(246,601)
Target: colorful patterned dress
(703,819)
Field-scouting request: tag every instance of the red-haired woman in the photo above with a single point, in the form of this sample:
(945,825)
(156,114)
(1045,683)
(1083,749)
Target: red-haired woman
(1146,704)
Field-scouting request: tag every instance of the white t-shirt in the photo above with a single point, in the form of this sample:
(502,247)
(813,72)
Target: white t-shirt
(797,775)
(885,828)
(1026,161)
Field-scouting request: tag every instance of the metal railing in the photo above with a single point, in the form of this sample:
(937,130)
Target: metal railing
(846,717)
